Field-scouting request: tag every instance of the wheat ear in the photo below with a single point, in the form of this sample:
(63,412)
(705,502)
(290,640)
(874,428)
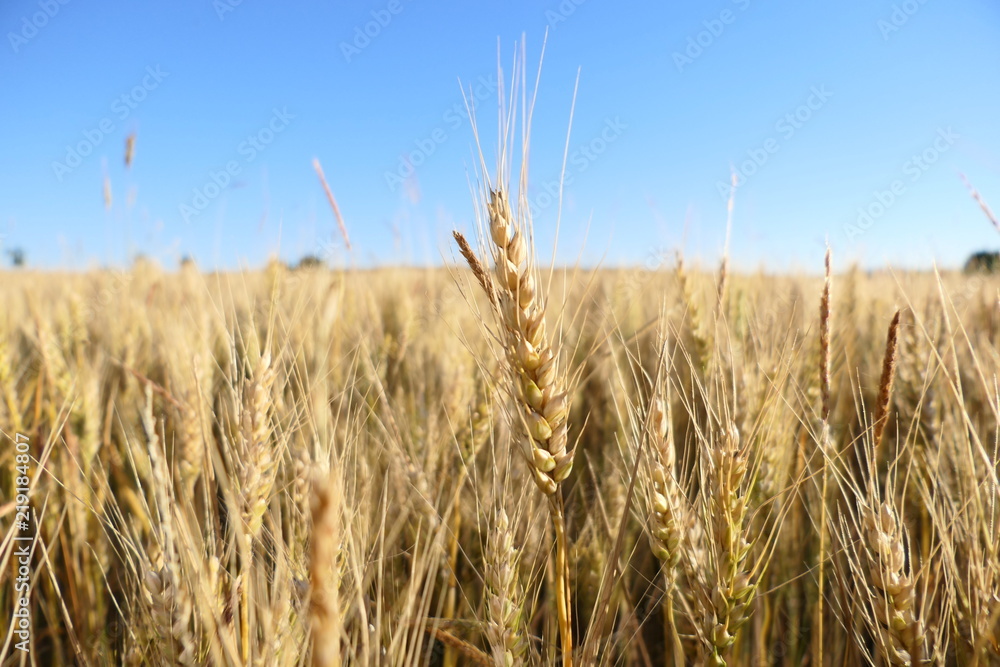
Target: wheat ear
(503,599)
(543,401)
(824,339)
(258,458)
(171,606)
(666,510)
(885,384)
(900,633)
(702,345)
(325,570)
(728,606)
(665,499)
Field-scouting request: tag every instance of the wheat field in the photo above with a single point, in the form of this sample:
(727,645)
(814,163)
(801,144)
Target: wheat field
(501,461)
(504,465)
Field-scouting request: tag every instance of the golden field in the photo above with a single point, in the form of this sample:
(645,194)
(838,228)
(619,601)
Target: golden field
(598,467)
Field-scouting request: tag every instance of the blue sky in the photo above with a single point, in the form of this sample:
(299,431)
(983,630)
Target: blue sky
(845,121)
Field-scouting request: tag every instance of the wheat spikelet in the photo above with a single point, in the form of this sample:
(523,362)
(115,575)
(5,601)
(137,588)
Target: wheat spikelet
(477,268)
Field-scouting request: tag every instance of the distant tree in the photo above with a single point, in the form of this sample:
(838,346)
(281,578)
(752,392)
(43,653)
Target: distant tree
(309,262)
(16,257)
(984,261)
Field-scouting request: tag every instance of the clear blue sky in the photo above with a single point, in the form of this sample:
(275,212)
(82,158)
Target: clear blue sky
(829,102)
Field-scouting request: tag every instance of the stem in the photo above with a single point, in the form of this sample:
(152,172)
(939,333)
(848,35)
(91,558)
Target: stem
(245,622)
(822,548)
(672,624)
(244,587)
(563,602)
(450,653)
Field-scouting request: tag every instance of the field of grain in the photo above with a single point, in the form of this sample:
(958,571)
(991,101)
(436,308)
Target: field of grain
(502,465)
